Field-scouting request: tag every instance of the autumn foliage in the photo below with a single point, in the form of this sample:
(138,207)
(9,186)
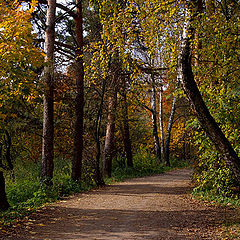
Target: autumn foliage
(130,50)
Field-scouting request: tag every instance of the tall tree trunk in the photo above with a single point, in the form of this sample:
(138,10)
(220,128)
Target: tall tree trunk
(154,121)
(98,174)
(110,133)
(161,121)
(4,205)
(126,134)
(48,100)
(169,128)
(79,100)
(206,120)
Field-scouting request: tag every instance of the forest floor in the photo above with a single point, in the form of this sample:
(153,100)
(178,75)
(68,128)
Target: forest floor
(155,207)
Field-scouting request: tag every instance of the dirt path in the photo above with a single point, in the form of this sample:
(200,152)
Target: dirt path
(155,207)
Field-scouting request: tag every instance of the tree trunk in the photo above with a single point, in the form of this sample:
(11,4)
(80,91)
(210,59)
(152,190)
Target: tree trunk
(79,100)
(110,133)
(4,205)
(98,174)
(161,121)
(8,141)
(126,134)
(169,128)
(48,100)
(154,122)
(206,120)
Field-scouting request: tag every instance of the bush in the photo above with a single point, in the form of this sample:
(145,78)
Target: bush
(145,164)
(26,191)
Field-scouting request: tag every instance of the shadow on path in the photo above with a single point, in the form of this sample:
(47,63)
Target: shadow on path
(145,208)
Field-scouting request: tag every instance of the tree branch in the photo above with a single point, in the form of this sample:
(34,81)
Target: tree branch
(60,44)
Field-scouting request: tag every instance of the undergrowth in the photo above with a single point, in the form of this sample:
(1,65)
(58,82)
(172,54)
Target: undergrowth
(145,164)
(232,200)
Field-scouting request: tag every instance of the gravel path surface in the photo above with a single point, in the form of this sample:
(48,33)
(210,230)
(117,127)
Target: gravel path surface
(156,207)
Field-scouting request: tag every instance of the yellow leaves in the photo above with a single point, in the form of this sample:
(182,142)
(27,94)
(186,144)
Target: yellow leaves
(3,116)
(17,52)
(34,4)
(41,224)
(30,98)
(153,23)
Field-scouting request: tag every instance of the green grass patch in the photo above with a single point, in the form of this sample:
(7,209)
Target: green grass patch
(26,194)
(217,199)
(145,164)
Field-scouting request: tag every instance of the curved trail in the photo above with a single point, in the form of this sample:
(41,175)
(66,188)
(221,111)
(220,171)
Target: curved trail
(156,207)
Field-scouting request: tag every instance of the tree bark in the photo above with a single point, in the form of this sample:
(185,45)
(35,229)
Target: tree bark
(169,128)
(110,133)
(98,177)
(79,100)
(161,121)
(48,99)
(4,205)
(98,174)
(126,134)
(206,120)
(154,122)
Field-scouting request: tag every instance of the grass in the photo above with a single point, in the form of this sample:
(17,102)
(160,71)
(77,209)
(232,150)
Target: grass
(218,199)
(144,165)
(231,227)
(26,194)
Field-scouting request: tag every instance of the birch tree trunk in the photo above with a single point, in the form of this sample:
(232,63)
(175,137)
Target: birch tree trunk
(126,134)
(169,128)
(79,100)
(48,99)
(110,133)
(161,121)
(154,121)
(205,119)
